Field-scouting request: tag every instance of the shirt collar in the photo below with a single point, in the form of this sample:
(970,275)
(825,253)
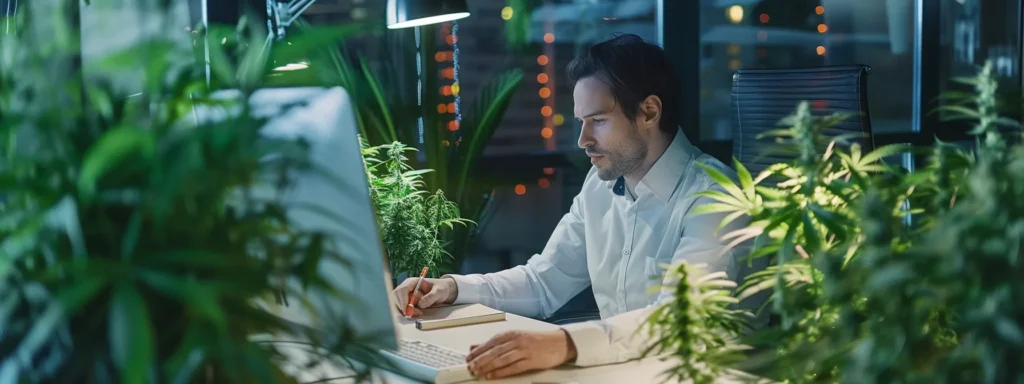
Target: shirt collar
(664,175)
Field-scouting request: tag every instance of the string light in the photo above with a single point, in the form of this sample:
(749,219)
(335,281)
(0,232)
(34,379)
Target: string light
(455,76)
(544,183)
(822,28)
(419,87)
(520,189)
(764,18)
(819,10)
(546,93)
(507,12)
(549,171)
(735,14)
(821,50)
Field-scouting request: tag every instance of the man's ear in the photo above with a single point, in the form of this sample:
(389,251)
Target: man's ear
(650,111)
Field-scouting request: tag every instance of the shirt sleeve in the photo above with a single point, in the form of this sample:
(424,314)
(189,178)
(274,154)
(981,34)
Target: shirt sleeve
(547,281)
(624,337)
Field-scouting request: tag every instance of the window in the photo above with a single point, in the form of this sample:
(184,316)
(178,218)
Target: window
(975,31)
(739,34)
(541,37)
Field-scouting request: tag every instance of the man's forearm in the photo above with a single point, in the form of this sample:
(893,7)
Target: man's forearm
(511,290)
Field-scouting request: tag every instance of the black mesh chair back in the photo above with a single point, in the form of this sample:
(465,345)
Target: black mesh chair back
(763,97)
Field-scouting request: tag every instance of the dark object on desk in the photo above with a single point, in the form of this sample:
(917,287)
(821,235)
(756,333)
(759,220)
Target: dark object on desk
(762,97)
(581,308)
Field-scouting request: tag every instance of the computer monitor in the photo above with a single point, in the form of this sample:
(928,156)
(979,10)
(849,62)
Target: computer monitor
(325,118)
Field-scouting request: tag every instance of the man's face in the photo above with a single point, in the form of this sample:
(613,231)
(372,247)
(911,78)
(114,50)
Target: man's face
(612,140)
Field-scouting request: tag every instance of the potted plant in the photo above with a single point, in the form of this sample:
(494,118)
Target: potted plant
(124,260)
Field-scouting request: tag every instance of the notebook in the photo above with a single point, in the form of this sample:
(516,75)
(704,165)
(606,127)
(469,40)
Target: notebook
(457,316)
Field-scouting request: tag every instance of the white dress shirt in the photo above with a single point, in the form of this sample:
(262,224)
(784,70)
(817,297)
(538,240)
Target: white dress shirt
(617,244)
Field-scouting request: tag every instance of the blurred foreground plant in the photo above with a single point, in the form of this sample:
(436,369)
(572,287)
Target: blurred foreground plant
(132,246)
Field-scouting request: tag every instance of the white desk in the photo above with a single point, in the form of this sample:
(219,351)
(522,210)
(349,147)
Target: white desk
(460,338)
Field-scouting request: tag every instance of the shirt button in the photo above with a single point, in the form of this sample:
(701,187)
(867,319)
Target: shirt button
(625,252)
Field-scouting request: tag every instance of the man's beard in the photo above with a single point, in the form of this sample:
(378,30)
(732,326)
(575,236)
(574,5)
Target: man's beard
(623,159)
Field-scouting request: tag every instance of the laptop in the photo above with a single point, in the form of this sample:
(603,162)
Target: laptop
(325,118)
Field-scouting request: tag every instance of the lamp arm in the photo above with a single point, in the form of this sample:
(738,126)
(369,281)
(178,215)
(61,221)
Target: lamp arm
(281,16)
(295,9)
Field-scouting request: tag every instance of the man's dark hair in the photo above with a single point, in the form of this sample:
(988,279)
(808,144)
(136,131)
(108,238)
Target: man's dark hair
(633,69)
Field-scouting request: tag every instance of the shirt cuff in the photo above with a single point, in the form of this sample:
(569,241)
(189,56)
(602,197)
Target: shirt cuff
(469,288)
(591,341)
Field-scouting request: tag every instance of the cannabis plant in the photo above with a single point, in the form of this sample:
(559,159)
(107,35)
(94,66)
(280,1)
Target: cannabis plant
(699,327)
(801,211)
(132,248)
(881,275)
(411,220)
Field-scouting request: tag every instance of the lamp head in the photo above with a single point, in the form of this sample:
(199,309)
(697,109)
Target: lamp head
(414,13)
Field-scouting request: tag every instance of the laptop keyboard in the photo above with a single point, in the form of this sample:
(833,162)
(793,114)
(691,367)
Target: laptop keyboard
(429,354)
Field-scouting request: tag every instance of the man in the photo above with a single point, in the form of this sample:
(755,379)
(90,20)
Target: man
(634,214)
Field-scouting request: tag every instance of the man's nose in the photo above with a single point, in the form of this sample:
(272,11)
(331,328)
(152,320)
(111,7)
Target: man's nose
(585,140)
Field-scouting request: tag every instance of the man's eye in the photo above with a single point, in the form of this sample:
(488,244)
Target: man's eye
(598,120)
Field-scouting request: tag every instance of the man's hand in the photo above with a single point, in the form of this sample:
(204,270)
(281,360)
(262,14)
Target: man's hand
(511,353)
(432,292)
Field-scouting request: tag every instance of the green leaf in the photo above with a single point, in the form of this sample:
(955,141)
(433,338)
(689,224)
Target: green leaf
(131,335)
(187,291)
(115,146)
(813,237)
(388,130)
(960,111)
(68,302)
(131,235)
(724,181)
(722,197)
(481,120)
(746,181)
(717,207)
(729,219)
(197,259)
(186,360)
(220,63)
(883,152)
(828,219)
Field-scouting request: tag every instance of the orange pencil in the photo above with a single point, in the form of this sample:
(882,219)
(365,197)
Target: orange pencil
(413,299)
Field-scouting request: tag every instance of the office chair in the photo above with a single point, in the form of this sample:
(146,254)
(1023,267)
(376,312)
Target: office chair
(762,97)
